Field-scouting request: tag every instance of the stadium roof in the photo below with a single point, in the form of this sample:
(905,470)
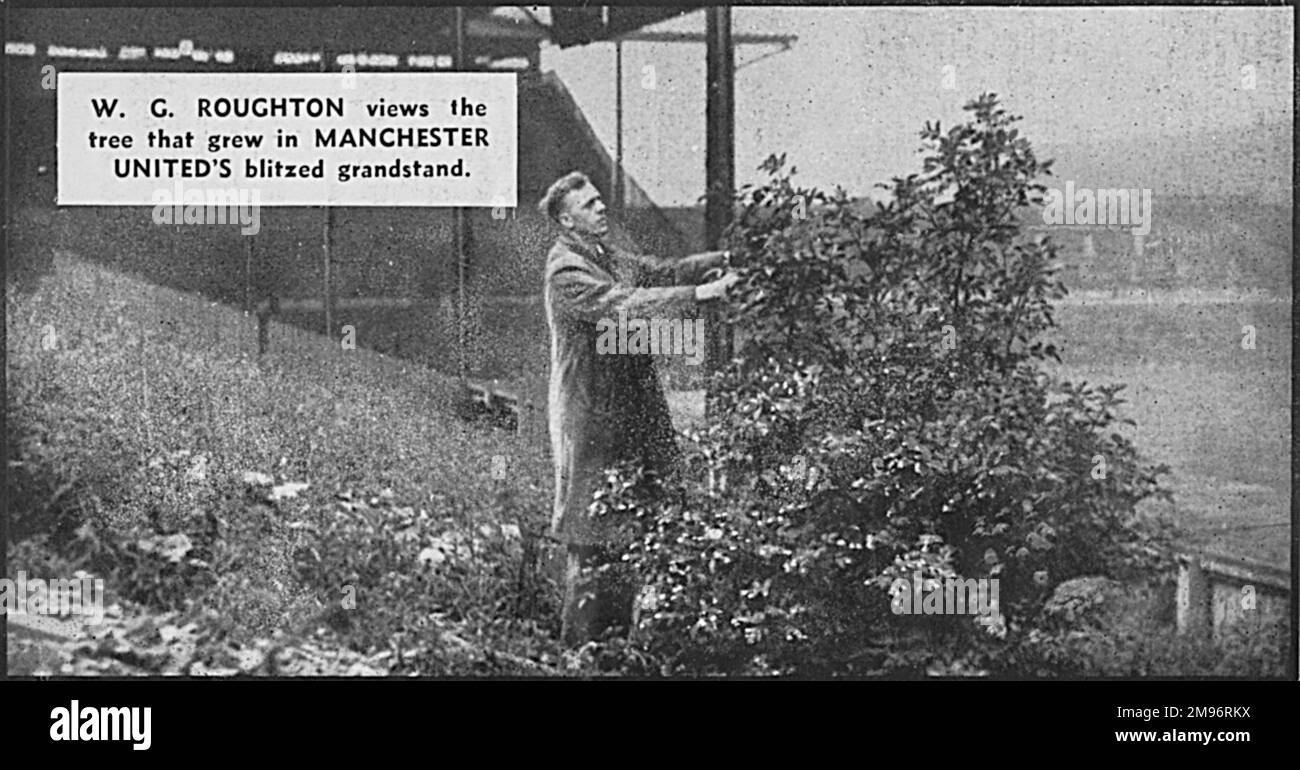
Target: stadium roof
(260,32)
(585,24)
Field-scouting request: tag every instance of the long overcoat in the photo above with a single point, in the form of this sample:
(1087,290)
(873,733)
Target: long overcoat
(605,408)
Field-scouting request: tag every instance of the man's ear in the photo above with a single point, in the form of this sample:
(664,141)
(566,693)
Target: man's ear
(566,220)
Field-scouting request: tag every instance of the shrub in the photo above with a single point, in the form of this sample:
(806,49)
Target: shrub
(885,417)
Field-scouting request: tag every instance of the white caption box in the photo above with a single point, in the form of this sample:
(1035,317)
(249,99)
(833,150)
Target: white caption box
(400,139)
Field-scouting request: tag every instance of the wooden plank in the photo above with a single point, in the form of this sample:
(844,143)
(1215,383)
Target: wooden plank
(493,395)
(1243,569)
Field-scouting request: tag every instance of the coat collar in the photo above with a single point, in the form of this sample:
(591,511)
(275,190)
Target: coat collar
(589,246)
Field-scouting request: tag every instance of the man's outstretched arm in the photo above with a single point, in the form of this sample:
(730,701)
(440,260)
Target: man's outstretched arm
(584,295)
(657,271)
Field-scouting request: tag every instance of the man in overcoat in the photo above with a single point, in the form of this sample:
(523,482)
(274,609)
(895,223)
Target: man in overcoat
(606,406)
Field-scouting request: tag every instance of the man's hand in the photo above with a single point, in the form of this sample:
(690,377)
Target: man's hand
(722,256)
(716,289)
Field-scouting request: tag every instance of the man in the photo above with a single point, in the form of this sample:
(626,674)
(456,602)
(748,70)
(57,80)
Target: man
(605,408)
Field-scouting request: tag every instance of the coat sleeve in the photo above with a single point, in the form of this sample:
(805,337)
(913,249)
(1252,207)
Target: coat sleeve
(688,271)
(582,294)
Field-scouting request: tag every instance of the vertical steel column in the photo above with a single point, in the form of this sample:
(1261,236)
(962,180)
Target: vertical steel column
(719,159)
(248,274)
(327,288)
(459,223)
(618,127)
(7,102)
(327,236)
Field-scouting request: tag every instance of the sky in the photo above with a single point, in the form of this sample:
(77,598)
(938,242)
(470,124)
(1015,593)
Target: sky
(847,101)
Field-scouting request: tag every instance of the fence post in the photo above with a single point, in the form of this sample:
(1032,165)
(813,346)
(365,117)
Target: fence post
(265,309)
(1192,599)
(534,385)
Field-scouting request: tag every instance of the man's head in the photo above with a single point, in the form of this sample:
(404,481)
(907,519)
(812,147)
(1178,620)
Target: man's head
(575,204)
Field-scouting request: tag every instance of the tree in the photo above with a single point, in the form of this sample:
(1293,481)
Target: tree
(886,419)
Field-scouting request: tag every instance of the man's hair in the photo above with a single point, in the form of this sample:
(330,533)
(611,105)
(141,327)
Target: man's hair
(552,203)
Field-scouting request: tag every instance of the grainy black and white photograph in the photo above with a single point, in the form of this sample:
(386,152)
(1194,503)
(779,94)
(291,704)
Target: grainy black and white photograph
(906,342)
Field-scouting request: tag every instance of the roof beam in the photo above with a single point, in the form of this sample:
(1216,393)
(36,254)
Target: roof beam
(646,36)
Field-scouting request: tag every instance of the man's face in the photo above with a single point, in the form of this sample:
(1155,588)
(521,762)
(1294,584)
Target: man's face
(584,211)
